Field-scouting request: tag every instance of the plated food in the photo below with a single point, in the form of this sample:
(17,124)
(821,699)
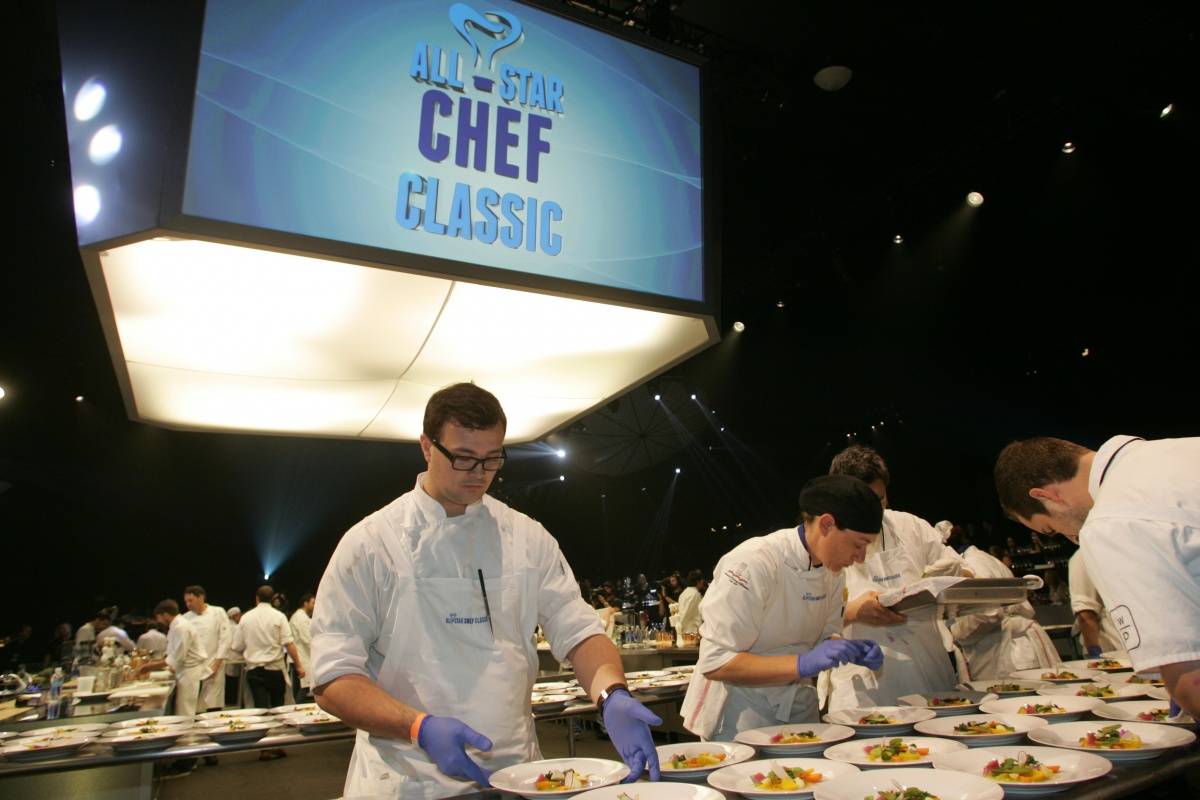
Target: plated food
(1103,664)
(787,777)
(1155,711)
(152,721)
(1059,674)
(1125,741)
(558,777)
(948,702)
(61,730)
(893,751)
(232,713)
(1059,708)
(295,709)
(1028,771)
(1006,687)
(1100,691)
(549,702)
(880,720)
(691,760)
(910,784)
(314,722)
(653,791)
(794,739)
(39,748)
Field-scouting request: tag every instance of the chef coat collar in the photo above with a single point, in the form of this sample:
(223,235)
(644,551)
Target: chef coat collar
(1104,456)
(434,511)
(797,556)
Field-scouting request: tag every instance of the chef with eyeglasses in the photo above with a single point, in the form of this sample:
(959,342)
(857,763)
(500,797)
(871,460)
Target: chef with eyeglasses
(423,639)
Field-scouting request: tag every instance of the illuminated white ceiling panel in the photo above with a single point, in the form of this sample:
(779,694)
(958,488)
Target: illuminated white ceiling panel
(222,337)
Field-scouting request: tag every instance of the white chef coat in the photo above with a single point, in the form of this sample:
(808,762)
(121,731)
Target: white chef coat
(153,641)
(1000,641)
(1141,544)
(689,610)
(766,598)
(262,637)
(85,634)
(216,633)
(1084,597)
(302,635)
(187,656)
(402,605)
(118,636)
(914,658)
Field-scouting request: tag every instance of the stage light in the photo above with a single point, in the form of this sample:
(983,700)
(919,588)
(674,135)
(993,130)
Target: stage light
(739,326)
(975,199)
(105,145)
(779,304)
(89,100)
(1068,147)
(1086,352)
(678,470)
(898,239)
(722,429)
(560,453)
(657,397)
(832,78)
(1166,112)
(2,392)
(78,398)
(693,397)
(562,477)
(87,203)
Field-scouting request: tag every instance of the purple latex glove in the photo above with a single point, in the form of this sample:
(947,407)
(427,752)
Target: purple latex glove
(1174,709)
(827,655)
(1093,651)
(443,739)
(870,655)
(627,722)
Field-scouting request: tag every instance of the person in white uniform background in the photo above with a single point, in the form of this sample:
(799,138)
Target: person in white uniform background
(118,636)
(1134,508)
(772,614)
(301,633)
(153,641)
(997,642)
(262,637)
(1092,622)
(212,625)
(423,639)
(907,549)
(689,617)
(233,661)
(186,657)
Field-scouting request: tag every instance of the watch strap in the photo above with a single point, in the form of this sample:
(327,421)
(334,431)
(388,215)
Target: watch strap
(607,693)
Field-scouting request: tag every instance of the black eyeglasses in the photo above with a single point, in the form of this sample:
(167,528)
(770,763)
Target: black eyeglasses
(468,463)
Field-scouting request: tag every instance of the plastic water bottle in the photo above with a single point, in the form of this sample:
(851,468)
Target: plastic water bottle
(53,704)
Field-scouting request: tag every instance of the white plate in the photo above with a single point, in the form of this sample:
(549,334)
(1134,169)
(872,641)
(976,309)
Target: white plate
(1120,692)
(144,742)
(157,690)
(1154,679)
(646,674)
(944,726)
(314,723)
(553,686)
(251,733)
(1075,707)
(1086,663)
(683,669)
(760,738)
(907,716)
(1128,710)
(666,685)
(856,752)
(11,734)
(1074,767)
(1036,674)
(145,730)
(925,699)
(140,721)
(233,713)
(734,754)
(549,702)
(1027,687)
(737,778)
(299,708)
(519,779)
(654,791)
(945,784)
(32,750)
(62,730)
(1156,739)
(207,725)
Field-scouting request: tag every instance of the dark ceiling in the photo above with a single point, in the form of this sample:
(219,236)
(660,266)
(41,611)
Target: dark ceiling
(1065,304)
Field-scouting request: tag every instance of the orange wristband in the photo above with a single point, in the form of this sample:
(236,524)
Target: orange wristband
(415,730)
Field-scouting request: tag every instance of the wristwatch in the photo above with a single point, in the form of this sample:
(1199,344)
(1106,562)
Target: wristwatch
(607,693)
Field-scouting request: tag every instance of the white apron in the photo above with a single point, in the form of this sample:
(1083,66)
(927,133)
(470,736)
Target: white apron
(212,689)
(187,689)
(439,662)
(717,711)
(914,659)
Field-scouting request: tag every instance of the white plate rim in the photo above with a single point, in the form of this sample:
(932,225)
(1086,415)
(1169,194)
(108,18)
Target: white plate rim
(865,762)
(1103,763)
(550,763)
(810,762)
(731,748)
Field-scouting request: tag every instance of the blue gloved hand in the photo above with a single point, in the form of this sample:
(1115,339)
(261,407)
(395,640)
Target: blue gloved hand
(626,721)
(870,655)
(827,655)
(1093,651)
(1174,709)
(443,739)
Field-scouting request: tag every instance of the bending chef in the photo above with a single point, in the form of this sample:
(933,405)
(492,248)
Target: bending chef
(772,612)
(423,639)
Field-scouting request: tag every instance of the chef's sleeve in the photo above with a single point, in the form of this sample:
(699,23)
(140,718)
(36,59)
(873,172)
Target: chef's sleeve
(285,631)
(565,618)
(733,610)
(224,635)
(1084,596)
(940,560)
(347,620)
(176,649)
(1148,574)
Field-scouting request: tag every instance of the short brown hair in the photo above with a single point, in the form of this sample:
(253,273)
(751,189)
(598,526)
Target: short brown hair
(265,593)
(465,403)
(861,462)
(1032,464)
(167,606)
(196,590)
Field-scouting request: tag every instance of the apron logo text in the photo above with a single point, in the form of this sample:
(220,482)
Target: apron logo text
(455,619)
